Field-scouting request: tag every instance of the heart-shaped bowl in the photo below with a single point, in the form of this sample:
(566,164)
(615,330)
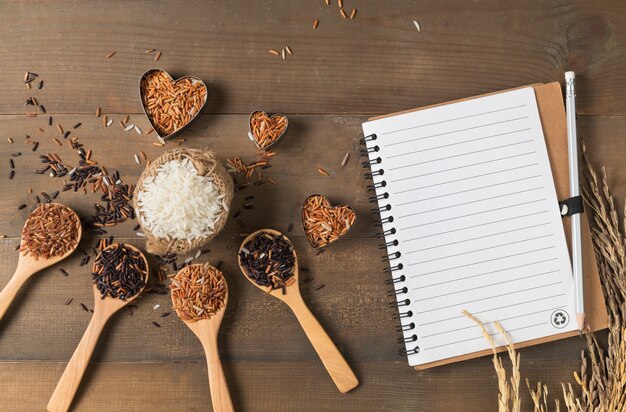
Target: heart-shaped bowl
(153,106)
(324,223)
(261,136)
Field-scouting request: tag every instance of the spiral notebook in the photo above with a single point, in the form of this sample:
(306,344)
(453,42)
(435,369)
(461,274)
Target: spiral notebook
(471,221)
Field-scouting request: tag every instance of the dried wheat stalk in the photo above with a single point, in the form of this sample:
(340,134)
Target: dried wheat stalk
(509,397)
(601,382)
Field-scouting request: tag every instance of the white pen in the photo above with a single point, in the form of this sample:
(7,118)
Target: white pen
(572,144)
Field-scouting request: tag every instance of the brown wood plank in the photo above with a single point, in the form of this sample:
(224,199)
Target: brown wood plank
(350,302)
(311,142)
(376,63)
(272,386)
(344,287)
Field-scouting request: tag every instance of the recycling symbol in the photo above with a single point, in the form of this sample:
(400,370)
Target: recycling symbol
(559,319)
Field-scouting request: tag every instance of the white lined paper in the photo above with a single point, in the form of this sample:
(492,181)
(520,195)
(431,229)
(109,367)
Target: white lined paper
(477,222)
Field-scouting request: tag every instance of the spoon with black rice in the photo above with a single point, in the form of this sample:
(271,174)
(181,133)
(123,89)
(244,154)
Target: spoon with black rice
(268,260)
(120,273)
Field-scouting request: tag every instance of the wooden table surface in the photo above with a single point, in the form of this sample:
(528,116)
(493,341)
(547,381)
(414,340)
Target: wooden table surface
(338,75)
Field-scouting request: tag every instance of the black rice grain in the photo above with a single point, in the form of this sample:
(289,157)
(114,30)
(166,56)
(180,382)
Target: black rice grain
(120,272)
(268,260)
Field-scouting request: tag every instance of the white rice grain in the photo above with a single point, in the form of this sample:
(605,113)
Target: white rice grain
(177,203)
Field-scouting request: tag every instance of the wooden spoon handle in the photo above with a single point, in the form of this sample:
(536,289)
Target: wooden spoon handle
(11,289)
(333,360)
(68,384)
(220,396)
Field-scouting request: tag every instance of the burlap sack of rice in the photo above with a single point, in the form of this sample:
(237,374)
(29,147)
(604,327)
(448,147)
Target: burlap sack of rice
(205,164)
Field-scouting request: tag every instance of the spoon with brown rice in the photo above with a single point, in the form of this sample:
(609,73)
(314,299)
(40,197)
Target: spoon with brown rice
(199,297)
(51,233)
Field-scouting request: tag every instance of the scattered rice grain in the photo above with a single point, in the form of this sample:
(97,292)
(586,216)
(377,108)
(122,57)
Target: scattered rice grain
(344,161)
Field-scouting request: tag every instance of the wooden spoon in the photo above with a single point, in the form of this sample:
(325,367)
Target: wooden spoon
(333,360)
(104,308)
(207,330)
(27,266)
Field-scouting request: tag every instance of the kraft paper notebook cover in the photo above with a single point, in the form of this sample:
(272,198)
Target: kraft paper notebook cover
(473,188)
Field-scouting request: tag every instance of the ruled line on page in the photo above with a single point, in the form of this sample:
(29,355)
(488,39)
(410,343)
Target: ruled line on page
(484,261)
(457,118)
(462,167)
(465,178)
(521,179)
(490,297)
(483,274)
(482,337)
(473,214)
(497,308)
(490,323)
(478,250)
(455,131)
(461,155)
(474,226)
(458,143)
(486,286)
(470,202)
(478,237)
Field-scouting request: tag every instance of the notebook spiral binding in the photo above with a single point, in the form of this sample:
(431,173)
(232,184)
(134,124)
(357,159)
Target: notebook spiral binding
(397,283)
